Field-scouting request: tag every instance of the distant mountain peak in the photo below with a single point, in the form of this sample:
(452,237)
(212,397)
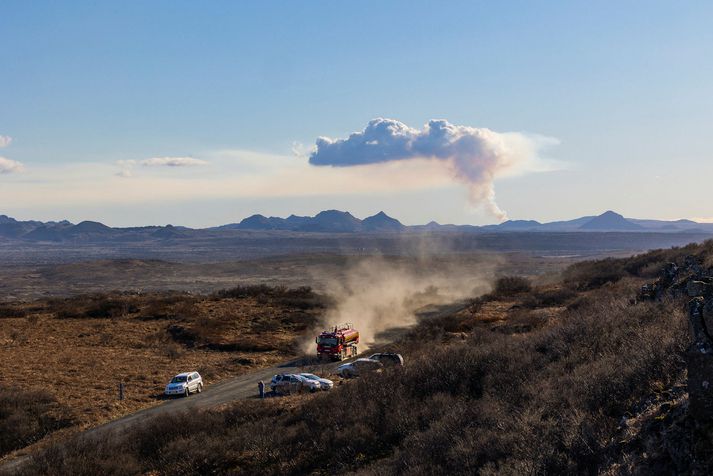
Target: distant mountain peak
(382,222)
(88,225)
(610,221)
(333,213)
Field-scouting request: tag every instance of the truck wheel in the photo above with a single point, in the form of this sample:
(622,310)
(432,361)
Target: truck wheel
(187,392)
(200,387)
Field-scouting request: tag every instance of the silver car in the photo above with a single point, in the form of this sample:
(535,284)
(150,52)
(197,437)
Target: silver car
(358,367)
(286,384)
(324,383)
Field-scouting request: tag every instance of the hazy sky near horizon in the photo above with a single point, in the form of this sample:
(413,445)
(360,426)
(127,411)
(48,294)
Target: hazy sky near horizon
(199,114)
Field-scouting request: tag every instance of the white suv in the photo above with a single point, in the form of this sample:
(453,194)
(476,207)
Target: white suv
(185,384)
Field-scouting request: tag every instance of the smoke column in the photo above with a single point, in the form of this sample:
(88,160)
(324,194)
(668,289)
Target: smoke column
(474,156)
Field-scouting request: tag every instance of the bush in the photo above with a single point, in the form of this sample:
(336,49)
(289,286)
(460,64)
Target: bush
(546,402)
(511,285)
(549,297)
(26,417)
(10,311)
(594,274)
(302,298)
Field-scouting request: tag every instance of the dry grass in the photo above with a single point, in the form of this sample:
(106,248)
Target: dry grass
(27,416)
(79,349)
(536,383)
(547,400)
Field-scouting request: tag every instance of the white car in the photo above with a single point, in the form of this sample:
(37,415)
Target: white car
(285,384)
(185,384)
(358,367)
(324,383)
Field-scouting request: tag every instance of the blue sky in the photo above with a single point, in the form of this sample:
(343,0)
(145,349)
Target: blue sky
(86,88)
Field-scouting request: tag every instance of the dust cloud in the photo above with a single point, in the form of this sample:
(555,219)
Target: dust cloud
(377,294)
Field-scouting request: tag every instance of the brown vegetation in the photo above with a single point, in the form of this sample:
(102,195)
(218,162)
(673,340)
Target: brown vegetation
(26,417)
(79,349)
(547,398)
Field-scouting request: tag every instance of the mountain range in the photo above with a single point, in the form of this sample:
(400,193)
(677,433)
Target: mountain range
(329,221)
(337,221)
(333,221)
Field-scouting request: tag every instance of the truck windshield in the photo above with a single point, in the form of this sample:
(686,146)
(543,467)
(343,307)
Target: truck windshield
(328,341)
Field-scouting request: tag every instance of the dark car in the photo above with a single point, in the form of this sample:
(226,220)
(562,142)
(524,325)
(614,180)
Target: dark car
(388,358)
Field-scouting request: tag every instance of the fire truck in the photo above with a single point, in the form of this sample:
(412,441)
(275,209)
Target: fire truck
(338,343)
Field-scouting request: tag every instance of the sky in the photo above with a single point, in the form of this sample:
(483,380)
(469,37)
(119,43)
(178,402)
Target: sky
(200,114)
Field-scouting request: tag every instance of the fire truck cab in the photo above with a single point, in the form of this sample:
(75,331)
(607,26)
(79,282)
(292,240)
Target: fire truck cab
(338,343)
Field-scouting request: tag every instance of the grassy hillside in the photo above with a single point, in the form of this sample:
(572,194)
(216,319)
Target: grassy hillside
(577,377)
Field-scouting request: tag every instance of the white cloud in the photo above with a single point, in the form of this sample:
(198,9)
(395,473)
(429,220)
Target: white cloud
(127,166)
(5,141)
(234,174)
(474,156)
(8,166)
(173,162)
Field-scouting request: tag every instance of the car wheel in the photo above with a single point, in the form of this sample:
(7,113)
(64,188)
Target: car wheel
(187,392)
(200,388)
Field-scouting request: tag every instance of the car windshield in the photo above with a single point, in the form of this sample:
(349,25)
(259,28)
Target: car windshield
(179,379)
(328,341)
(310,376)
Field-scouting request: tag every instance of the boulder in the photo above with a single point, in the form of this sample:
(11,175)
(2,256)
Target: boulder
(698,288)
(699,359)
(707,313)
(693,266)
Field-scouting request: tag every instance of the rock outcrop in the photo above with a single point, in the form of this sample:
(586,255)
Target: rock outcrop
(694,281)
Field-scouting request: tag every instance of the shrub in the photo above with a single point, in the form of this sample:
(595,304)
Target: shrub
(594,274)
(549,297)
(10,311)
(26,417)
(511,285)
(302,297)
(544,402)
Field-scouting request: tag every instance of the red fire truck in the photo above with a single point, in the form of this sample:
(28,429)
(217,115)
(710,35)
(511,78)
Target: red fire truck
(338,343)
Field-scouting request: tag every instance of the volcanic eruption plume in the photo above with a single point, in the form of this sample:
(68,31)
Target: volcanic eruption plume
(474,156)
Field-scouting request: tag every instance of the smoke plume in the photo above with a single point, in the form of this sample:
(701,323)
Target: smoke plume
(474,156)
